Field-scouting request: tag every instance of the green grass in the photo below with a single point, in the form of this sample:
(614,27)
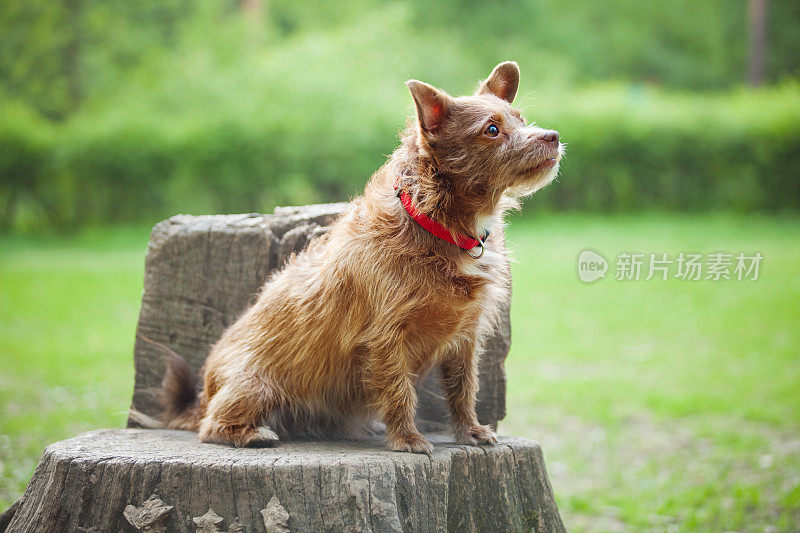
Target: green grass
(666,405)
(660,403)
(68,312)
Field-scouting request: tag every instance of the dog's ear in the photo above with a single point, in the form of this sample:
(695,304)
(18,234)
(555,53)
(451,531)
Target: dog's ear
(502,82)
(432,105)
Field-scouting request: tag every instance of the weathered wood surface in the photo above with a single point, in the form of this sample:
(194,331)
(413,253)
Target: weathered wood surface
(156,480)
(202,271)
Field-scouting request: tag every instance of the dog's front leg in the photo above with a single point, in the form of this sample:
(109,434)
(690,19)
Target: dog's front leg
(460,380)
(400,404)
(396,401)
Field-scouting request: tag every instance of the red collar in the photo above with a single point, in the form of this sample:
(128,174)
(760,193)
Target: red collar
(462,241)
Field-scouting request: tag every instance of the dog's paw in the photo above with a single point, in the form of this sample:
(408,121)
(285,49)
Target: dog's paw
(238,435)
(263,437)
(476,434)
(414,443)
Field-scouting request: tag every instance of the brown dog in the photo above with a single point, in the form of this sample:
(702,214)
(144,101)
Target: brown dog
(409,278)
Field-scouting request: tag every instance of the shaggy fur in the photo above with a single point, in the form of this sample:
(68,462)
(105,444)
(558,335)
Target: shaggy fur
(340,336)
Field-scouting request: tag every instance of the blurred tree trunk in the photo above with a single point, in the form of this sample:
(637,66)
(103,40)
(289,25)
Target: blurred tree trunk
(757,22)
(72,52)
(252,8)
(253,12)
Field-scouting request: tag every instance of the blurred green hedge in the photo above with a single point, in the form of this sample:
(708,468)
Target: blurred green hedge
(628,148)
(633,148)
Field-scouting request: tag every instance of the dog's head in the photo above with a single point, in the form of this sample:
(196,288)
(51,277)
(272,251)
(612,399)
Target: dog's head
(482,141)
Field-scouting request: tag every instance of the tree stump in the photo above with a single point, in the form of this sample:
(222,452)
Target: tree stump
(157,480)
(200,273)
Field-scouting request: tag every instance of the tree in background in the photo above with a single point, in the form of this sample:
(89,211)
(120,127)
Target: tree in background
(55,55)
(757,21)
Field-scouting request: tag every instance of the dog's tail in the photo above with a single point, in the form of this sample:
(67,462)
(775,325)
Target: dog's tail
(177,395)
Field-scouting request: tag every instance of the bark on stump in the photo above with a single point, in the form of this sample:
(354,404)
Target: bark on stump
(200,273)
(151,480)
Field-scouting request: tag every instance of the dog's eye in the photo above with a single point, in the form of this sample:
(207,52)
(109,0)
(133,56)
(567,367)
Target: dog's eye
(492,130)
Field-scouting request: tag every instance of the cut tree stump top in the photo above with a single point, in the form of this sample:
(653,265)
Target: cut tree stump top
(159,480)
(201,272)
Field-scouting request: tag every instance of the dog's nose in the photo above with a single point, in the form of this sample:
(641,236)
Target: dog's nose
(550,136)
